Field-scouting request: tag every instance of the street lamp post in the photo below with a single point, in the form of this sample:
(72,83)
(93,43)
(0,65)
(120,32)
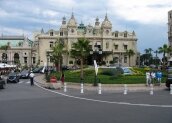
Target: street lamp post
(97,51)
(48,55)
(4,60)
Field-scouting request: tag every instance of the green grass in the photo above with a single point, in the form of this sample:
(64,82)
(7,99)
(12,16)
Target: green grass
(89,77)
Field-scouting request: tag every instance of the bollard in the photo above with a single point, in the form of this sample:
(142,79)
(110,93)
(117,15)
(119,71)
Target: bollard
(99,88)
(65,87)
(170,88)
(125,89)
(151,89)
(82,88)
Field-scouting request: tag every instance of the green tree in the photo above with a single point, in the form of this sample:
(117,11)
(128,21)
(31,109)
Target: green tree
(164,49)
(80,50)
(4,47)
(57,55)
(130,53)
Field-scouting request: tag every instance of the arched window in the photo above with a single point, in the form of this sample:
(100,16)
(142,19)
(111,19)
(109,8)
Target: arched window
(51,33)
(4,58)
(125,34)
(16,58)
(72,30)
(107,32)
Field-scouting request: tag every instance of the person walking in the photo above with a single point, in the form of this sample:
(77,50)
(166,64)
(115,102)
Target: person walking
(62,78)
(31,78)
(147,78)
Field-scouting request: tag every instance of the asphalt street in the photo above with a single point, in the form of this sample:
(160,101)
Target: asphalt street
(21,103)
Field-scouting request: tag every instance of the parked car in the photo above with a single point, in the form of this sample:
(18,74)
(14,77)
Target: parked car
(25,74)
(13,77)
(37,70)
(65,67)
(2,83)
(169,77)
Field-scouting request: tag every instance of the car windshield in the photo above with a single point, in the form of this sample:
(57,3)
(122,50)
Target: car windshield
(24,71)
(12,74)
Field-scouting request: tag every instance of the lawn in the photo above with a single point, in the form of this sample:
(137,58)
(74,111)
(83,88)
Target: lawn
(108,78)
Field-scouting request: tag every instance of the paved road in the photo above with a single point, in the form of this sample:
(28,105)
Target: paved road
(21,103)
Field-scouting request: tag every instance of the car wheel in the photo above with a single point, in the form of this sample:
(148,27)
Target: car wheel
(3,86)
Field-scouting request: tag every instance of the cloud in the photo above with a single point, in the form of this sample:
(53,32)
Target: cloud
(62,3)
(142,11)
(13,31)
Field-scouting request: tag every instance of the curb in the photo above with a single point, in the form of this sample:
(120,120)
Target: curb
(105,87)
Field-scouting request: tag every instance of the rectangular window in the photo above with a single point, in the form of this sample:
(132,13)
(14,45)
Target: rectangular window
(116,34)
(25,60)
(61,33)
(34,60)
(107,45)
(125,47)
(125,34)
(51,44)
(116,47)
(51,33)
(125,59)
(115,59)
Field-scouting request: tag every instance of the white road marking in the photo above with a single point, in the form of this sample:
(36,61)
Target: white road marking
(109,102)
(20,82)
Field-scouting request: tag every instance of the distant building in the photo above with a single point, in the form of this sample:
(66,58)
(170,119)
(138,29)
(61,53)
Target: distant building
(112,44)
(17,50)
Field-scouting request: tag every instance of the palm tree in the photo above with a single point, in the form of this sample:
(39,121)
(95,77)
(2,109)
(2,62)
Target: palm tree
(150,51)
(130,53)
(57,55)
(148,56)
(164,49)
(80,50)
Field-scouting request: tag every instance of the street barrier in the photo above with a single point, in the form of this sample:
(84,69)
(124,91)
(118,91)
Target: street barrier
(151,89)
(53,79)
(125,89)
(99,88)
(65,87)
(82,88)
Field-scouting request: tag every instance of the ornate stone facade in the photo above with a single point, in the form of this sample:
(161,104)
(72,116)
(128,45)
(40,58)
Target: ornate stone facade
(18,50)
(113,44)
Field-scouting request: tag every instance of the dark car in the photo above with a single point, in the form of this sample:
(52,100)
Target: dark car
(37,70)
(25,74)
(65,67)
(2,83)
(169,77)
(13,77)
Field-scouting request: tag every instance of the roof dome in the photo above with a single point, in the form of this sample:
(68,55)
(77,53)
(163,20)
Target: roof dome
(106,23)
(72,22)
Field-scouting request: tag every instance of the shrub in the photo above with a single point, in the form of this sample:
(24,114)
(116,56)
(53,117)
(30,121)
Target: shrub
(115,72)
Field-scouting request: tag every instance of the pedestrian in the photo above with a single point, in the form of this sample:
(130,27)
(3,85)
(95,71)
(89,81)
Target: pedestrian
(147,78)
(153,75)
(150,78)
(159,76)
(62,78)
(31,78)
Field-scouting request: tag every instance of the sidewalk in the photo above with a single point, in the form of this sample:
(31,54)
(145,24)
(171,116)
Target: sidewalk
(105,87)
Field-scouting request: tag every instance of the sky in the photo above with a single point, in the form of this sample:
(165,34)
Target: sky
(148,18)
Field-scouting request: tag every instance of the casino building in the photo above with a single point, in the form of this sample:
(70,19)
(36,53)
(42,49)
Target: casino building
(112,44)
